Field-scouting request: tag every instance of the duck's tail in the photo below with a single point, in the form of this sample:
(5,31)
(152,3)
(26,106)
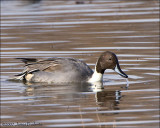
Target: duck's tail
(22,76)
(27,60)
(18,77)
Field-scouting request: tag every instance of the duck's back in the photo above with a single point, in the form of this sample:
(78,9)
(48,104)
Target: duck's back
(56,70)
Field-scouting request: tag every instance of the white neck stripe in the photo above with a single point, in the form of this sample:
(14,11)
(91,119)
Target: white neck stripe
(96,77)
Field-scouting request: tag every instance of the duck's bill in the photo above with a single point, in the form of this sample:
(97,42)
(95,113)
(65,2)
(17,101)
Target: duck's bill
(120,72)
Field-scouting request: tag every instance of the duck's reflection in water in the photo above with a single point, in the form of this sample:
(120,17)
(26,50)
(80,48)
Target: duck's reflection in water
(106,99)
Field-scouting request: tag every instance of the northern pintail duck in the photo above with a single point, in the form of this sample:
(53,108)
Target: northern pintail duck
(59,70)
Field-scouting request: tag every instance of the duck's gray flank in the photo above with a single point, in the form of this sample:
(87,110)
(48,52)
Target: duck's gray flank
(56,70)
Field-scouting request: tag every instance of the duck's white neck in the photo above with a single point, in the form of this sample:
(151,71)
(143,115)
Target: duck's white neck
(96,77)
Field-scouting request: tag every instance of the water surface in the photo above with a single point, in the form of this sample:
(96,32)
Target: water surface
(66,29)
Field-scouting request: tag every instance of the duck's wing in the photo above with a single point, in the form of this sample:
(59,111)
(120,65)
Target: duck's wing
(48,65)
(34,65)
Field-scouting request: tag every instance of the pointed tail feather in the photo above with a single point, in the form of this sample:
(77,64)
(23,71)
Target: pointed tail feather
(27,60)
(18,77)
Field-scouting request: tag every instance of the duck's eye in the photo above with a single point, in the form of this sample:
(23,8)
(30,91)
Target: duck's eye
(110,59)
